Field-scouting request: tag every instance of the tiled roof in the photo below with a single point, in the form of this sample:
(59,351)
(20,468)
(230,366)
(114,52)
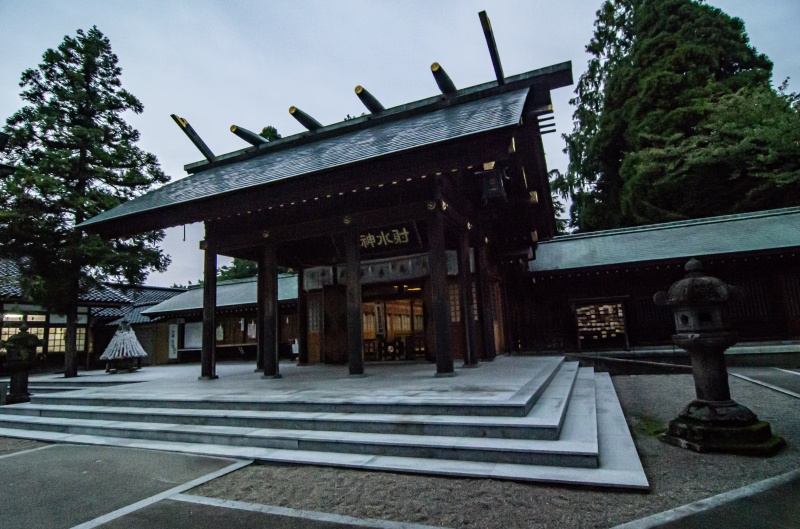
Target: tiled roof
(133,315)
(234,293)
(447,123)
(107,312)
(729,234)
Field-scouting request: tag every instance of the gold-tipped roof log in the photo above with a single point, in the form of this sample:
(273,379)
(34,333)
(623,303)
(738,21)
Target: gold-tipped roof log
(248,135)
(304,119)
(369,100)
(443,80)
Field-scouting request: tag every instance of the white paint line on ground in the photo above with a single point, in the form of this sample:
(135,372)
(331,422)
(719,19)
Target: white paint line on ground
(684,511)
(788,371)
(161,496)
(296,513)
(26,451)
(766,385)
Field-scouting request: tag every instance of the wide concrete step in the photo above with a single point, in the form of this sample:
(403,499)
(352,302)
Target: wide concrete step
(543,421)
(517,406)
(619,464)
(576,447)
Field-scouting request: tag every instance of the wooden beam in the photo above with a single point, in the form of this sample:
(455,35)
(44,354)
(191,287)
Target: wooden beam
(485,303)
(355,331)
(302,319)
(440,307)
(321,227)
(465,288)
(208,352)
(489,34)
(268,303)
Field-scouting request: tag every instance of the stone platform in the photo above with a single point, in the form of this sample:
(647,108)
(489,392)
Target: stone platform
(520,418)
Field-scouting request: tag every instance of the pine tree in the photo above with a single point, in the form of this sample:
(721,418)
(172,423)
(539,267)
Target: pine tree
(75,157)
(667,141)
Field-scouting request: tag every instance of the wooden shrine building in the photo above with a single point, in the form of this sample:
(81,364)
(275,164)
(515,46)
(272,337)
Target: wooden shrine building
(461,173)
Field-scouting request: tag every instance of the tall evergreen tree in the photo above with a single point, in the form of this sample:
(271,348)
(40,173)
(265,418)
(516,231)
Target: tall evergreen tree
(75,157)
(663,147)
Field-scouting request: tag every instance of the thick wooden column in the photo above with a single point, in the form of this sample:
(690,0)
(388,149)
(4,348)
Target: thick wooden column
(267,302)
(440,308)
(355,324)
(485,304)
(208,354)
(465,288)
(302,320)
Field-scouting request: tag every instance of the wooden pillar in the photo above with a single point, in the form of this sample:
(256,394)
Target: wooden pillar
(268,311)
(208,354)
(465,288)
(355,324)
(440,308)
(302,320)
(485,304)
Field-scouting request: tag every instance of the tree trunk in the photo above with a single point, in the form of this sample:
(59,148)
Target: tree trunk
(70,343)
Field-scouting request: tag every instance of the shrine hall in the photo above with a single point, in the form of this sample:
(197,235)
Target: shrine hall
(410,228)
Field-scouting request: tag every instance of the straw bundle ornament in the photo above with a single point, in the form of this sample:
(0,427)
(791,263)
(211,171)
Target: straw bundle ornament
(123,345)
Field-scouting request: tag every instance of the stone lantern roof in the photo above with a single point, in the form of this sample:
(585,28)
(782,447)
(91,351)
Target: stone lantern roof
(697,289)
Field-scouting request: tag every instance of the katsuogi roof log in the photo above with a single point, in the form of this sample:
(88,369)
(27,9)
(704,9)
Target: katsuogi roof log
(443,80)
(247,135)
(372,104)
(304,119)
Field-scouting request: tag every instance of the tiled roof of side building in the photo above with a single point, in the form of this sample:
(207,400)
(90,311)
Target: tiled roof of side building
(450,122)
(233,293)
(728,234)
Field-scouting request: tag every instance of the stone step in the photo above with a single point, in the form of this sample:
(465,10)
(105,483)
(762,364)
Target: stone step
(76,383)
(619,464)
(577,446)
(543,421)
(36,389)
(517,406)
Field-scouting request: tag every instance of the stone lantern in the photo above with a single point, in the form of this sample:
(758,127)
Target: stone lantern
(20,356)
(713,422)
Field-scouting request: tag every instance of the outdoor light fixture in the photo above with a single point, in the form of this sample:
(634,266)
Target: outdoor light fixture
(492,183)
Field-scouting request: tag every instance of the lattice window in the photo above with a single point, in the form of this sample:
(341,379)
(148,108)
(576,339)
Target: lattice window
(56,343)
(455,303)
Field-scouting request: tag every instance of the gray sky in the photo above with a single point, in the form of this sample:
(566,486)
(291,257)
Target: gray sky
(219,63)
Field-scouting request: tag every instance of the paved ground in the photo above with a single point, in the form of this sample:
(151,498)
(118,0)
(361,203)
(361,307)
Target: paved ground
(786,380)
(495,382)
(64,486)
(48,489)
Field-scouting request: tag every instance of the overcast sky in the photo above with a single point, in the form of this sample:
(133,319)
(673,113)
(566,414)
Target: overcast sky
(218,63)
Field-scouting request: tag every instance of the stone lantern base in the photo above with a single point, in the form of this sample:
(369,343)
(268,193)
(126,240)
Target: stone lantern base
(722,426)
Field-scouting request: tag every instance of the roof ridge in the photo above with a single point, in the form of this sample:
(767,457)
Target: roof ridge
(677,224)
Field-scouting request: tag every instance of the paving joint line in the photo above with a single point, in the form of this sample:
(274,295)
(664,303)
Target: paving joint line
(26,451)
(297,513)
(767,385)
(113,515)
(707,504)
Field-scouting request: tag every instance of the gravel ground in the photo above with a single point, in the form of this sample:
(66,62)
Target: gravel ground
(10,445)
(677,476)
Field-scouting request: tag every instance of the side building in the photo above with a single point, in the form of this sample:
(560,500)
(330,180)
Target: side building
(594,291)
